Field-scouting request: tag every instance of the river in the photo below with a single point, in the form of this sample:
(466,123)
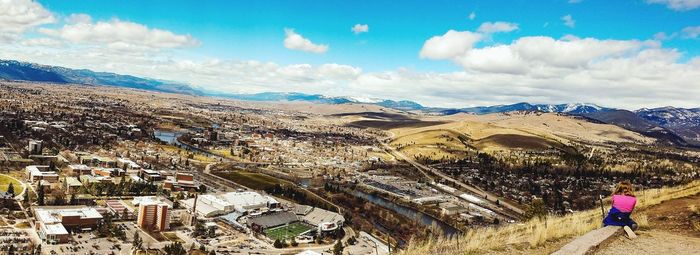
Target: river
(408,212)
(170,137)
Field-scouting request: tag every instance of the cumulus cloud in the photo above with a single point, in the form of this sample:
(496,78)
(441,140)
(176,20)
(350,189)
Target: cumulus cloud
(472,16)
(78,18)
(119,32)
(497,27)
(44,42)
(616,73)
(451,44)
(691,32)
(677,5)
(294,41)
(360,28)
(18,16)
(568,21)
(541,53)
(538,69)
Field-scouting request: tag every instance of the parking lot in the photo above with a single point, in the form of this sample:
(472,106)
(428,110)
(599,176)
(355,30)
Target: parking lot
(88,243)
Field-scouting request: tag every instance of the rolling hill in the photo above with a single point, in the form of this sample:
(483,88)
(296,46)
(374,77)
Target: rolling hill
(22,71)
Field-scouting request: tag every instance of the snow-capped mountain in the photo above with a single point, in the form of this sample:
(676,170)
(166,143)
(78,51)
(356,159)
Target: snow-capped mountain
(682,121)
(574,108)
(671,116)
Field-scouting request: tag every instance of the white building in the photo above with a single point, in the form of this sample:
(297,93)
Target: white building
(52,222)
(130,165)
(38,173)
(243,202)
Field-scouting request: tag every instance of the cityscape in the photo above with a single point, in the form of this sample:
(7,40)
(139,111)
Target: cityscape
(181,129)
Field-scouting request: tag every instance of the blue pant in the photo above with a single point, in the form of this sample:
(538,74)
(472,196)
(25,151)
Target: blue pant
(617,218)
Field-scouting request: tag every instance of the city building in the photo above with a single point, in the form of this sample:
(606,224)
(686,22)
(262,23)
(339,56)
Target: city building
(53,223)
(72,184)
(35,147)
(154,216)
(79,170)
(244,202)
(92,160)
(108,172)
(151,175)
(324,220)
(125,163)
(38,173)
(451,209)
(181,181)
(120,209)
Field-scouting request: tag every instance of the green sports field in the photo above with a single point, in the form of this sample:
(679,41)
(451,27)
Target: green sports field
(287,232)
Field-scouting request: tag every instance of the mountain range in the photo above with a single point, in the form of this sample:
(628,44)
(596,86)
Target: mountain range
(677,126)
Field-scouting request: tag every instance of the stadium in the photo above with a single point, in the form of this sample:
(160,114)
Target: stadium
(303,221)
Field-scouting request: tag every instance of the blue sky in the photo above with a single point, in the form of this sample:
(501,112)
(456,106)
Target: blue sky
(434,52)
(254,29)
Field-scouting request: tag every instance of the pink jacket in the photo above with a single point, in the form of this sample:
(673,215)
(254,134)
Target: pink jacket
(624,203)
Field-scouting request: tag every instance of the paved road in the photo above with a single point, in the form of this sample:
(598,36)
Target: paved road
(426,169)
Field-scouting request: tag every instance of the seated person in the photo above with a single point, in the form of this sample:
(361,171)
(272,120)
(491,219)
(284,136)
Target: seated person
(623,202)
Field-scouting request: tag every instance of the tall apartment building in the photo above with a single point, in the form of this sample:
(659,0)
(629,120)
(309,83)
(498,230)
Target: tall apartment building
(154,216)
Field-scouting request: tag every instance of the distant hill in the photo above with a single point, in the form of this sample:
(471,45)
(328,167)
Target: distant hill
(574,108)
(22,71)
(631,121)
(682,121)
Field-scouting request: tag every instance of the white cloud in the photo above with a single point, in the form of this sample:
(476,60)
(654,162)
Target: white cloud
(360,28)
(451,44)
(616,73)
(339,71)
(120,32)
(661,36)
(78,18)
(496,27)
(691,32)
(45,42)
(538,69)
(569,21)
(678,5)
(294,41)
(18,16)
(472,16)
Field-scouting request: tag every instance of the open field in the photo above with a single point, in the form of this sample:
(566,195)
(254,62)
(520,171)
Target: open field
(541,232)
(5,183)
(451,136)
(288,231)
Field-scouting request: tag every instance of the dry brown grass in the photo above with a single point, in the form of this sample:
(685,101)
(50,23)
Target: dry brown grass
(694,210)
(538,232)
(696,226)
(642,221)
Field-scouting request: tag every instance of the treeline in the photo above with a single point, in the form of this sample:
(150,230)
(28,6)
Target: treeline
(299,196)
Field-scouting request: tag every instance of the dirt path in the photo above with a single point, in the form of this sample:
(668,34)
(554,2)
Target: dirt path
(671,230)
(653,242)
